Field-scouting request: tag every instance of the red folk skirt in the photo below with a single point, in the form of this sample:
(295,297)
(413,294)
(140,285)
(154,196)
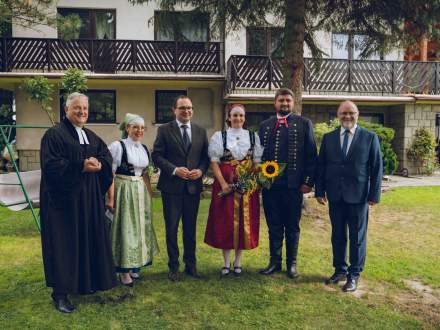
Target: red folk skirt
(234,219)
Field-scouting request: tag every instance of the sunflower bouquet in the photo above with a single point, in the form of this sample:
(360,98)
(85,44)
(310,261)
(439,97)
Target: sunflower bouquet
(249,178)
(269,171)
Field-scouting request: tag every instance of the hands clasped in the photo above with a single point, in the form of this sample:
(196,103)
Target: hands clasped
(186,174)
(92,165)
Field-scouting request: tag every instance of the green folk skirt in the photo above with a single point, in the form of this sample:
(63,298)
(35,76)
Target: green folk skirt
(134,241)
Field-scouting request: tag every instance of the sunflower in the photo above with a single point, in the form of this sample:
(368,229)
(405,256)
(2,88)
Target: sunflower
(270,169)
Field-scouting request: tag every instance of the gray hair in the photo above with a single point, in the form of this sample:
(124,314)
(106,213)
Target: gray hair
(73,96)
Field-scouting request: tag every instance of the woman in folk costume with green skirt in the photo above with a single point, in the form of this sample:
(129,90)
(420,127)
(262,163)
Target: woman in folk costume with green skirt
(129,198)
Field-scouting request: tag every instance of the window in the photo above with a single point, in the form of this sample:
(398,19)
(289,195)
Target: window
(96,23)
(349,46)
(164,104)
(181,26)
(102,106)
(265,41)
(254,119)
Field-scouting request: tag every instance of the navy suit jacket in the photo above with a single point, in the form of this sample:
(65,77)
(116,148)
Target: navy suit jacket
(355,178)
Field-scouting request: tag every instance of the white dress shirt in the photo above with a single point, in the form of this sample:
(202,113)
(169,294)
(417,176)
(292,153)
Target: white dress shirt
(188,130)
(237,142)
(136,155)
(350,136)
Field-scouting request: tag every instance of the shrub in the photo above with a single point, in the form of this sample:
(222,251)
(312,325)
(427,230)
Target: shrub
(385,134)
(73,81)
(422,150)
(40,90)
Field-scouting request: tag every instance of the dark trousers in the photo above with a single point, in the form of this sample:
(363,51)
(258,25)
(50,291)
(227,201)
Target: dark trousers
(185,206)
(282,209)
(353,217)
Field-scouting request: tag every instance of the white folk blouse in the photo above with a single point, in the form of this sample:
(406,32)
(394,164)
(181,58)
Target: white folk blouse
(136,155)
(238,143)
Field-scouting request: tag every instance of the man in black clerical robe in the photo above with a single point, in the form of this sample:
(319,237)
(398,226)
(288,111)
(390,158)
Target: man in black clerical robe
(76,172)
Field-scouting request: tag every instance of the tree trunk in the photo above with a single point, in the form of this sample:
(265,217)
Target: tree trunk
(293,64)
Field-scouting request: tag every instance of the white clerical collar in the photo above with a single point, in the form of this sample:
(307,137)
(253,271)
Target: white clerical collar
(180,124)
(286,116)
(352,130)
(81,135)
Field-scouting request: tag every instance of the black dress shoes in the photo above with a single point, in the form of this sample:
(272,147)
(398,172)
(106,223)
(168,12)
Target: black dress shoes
(63,305)
(192,271)
(173,275)
(270,269)
(336,278)
(350,285)
(291,271)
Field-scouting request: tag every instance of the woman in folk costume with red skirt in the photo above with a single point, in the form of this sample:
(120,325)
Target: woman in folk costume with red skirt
(234,218)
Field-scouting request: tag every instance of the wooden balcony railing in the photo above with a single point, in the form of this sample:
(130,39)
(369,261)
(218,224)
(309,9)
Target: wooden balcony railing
(261,73)
(110,56)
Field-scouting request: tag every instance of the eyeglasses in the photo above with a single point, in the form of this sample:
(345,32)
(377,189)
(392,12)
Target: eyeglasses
(138,128)
(182,108)
(351,114)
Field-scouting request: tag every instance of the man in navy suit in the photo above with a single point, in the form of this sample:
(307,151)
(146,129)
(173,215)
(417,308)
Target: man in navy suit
(349,176)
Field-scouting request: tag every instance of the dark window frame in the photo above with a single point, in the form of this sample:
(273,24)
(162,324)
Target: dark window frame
(111,91)
(268,31)
(92,18)
(156,26)
(264,114)
(176,93)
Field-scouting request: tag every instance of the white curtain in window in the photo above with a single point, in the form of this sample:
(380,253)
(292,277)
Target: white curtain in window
(105,25)
(340,46)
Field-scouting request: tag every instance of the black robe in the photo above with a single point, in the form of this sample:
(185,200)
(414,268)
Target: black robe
(76,245)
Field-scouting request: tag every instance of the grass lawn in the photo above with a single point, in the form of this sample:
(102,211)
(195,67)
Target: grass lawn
(400,287)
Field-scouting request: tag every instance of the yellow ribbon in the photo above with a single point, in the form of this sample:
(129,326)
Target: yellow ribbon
(236,219)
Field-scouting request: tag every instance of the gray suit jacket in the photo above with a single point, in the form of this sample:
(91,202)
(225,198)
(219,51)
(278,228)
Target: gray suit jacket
(169,153)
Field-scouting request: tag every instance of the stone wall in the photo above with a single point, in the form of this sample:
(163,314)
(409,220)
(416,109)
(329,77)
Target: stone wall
(29,160)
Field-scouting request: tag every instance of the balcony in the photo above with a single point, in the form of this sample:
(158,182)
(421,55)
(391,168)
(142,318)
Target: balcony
(110,56)
(261,74)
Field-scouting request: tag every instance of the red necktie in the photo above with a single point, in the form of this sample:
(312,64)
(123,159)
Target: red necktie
(281,120)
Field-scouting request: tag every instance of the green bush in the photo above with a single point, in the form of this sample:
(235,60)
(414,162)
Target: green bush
(40,90)
(385,134)
(422,150)
(73,81)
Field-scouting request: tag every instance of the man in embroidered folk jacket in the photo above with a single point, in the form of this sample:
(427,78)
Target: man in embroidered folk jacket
(287,138)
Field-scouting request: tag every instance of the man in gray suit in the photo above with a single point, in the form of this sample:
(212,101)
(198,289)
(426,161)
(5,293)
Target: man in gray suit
(181,153)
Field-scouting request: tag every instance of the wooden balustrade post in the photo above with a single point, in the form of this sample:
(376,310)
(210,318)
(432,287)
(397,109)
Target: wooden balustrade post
(176,57)
(48,54)
(133,55)
(269,72)
(349,76)
(393,77)
(92,56)
(5,55)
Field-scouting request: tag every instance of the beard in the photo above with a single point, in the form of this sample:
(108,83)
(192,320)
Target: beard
(284,111)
